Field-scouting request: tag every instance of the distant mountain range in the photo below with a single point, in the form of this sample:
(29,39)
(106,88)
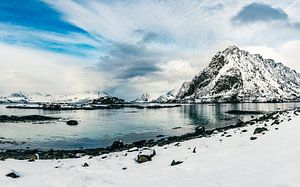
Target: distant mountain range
(81,97)
(235,75)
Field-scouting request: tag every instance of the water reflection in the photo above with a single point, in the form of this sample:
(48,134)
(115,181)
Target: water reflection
(98,128)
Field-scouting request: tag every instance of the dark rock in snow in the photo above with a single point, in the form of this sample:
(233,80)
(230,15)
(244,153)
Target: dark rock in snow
(177,144)
(194,150)
(276,122)
(146,156)
(13,175)
(174,163)
(253,138)
(260,130)
(72,122)
(85,165)
(143,158)
(33,158)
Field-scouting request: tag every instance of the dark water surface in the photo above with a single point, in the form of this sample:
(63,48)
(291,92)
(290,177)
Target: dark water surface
(99,128)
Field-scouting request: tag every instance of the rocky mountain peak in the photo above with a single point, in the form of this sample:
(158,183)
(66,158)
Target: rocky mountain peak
(235,75)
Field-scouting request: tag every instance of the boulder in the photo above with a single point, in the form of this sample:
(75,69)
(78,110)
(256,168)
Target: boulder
(12,175)
(260,130)
(34,157)
(145,155)
(199,130)
(117,145)
(72,122)
(174,163)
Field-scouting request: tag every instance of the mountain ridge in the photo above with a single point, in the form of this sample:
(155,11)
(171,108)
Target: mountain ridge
(235,75)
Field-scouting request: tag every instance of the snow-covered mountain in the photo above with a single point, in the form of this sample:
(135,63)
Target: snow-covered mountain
(170,95)
(81,97)
(87,96)
(23,97)
(145,98)
(235,75)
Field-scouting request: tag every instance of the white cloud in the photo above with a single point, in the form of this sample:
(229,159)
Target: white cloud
(31,70)
(196,31)
(287,53)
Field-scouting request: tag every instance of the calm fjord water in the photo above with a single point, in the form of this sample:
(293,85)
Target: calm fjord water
(99,128)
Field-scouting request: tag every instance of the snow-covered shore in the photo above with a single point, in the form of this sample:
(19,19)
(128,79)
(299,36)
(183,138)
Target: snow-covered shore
(230,159)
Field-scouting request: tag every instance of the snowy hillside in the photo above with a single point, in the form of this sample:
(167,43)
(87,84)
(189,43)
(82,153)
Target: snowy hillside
(235,75)
(234,158)
(22,97)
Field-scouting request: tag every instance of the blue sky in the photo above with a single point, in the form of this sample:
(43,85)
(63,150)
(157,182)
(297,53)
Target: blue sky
(130,47)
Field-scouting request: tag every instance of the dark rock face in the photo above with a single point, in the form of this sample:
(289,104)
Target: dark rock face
(228,82)
(13,175)
(174,163)
(260,130)
(72,122)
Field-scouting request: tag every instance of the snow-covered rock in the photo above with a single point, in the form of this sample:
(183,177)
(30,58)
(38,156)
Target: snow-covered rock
(145,98)
(170,95)
(235,75)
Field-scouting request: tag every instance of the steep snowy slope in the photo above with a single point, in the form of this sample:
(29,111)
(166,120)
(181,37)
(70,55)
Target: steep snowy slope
(235,75)
(170,95)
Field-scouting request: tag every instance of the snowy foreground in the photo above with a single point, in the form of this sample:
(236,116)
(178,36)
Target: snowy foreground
(270,160)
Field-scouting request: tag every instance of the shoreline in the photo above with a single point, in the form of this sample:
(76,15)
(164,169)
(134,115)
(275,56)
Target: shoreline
(117,146)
